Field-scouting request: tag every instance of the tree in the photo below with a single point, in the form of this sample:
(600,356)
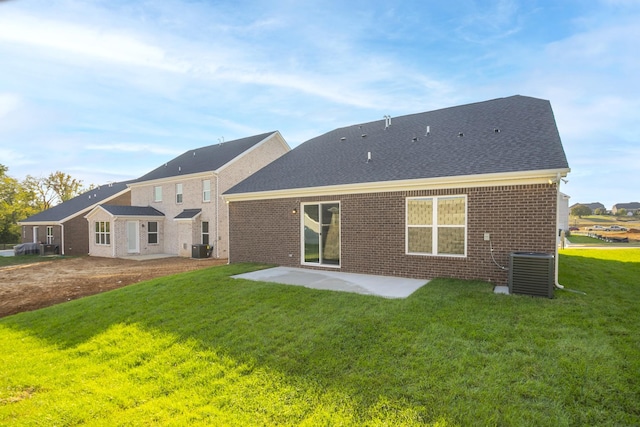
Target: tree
(621,212)
(580,211)
(20,200)
(600,211)
(16,203)
(58,187)
(64,186)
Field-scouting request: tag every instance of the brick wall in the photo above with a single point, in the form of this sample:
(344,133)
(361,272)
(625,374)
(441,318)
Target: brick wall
(518,218)
(76,230)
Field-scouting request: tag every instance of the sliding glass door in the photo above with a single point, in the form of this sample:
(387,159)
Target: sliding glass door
(321,234)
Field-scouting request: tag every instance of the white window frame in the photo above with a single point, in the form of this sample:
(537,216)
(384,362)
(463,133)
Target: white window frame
(320,236)
(102,232)
(179,194)
(434,225)
(206,190)
(49,234)
(157,193)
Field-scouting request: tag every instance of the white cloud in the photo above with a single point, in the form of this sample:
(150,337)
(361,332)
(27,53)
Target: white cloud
(112,45)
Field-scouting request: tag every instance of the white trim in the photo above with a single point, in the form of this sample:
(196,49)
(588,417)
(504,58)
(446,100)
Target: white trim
(302,237)
(434,226)
(451,182)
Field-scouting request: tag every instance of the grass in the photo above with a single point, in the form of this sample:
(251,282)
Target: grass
(201,348)
(24,259)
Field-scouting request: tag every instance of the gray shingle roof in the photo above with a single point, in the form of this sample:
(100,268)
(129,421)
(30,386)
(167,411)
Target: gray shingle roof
(631,205)
(205,159)
(188,214)
(511,134)
(116,210)
(78,204)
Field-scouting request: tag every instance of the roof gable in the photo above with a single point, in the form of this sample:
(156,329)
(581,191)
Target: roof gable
(504,135)
(205,159)
(79,204)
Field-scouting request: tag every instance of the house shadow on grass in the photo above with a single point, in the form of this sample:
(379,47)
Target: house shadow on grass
(430,351)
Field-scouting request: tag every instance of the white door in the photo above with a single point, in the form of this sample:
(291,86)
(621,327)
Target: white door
(133,237)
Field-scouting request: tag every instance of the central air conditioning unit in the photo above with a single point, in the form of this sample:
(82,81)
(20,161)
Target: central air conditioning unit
(532,273)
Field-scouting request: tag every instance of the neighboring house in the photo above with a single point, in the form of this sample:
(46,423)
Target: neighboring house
(64,225)
(434,194)
(593,206)
(178,204)
(631,208)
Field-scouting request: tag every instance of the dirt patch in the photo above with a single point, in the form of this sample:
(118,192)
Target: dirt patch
(33,286)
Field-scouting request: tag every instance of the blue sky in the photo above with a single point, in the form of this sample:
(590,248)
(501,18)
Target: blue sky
(108,90)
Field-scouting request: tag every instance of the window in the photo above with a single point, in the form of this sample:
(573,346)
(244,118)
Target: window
(205,232)
(103,233)
(206,190)
(157,194)
(178,193)
(437,225)
(152,232)
(49,235)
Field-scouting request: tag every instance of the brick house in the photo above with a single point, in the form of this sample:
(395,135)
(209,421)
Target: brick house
(64,225)
(631,208)
(433,194)
(179,204)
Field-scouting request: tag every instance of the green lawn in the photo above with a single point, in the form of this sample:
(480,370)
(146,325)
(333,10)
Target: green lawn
(23,259)
(203,349)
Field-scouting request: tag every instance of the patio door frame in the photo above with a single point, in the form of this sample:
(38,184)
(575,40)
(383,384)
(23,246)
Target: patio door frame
(136,240)
(323,229)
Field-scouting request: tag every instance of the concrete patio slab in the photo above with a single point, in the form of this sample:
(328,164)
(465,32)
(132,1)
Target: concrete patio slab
(384,286)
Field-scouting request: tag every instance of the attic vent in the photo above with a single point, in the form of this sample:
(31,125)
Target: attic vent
(343,139)
(496,130)
(364,135)
(414,139)
(460,134)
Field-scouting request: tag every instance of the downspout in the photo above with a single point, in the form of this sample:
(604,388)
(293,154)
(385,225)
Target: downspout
(558,285)
(217,216)
(226,202)
(557,260)
(62,238)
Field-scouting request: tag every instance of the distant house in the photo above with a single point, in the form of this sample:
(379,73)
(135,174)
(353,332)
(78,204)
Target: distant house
(437,194)
(632,208)
(64,225)
(592,206)
(179,204)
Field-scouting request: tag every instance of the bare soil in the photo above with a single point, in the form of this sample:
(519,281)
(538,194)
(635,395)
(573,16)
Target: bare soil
(29,287)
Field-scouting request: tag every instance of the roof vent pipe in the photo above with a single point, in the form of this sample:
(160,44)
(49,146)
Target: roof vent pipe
(368,156)
(387,121)
(428,131)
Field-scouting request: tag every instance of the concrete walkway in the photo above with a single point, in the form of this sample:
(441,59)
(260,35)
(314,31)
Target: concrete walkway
(384,286)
